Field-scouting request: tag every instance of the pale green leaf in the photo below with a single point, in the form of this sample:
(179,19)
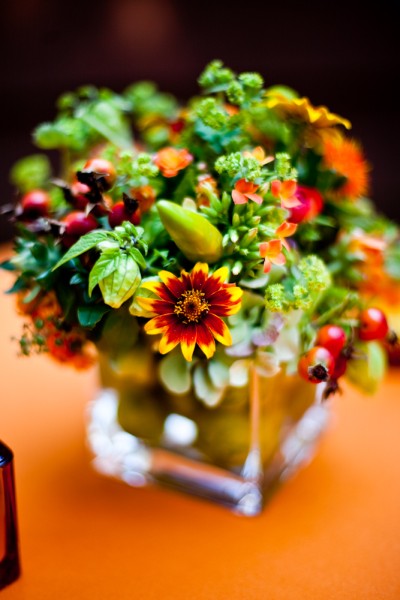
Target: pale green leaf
(204,389)
(122,283)
(105,265)
(138,256)
(175,373)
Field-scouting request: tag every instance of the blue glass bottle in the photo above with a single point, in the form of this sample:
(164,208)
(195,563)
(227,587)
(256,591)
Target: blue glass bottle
(9,555)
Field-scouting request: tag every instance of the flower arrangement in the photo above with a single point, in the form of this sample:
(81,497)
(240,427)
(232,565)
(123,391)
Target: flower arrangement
(264,190)
(229,233)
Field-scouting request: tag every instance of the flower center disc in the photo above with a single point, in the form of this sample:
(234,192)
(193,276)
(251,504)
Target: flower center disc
(191,306)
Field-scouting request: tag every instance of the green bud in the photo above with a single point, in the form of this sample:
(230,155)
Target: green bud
(194,235)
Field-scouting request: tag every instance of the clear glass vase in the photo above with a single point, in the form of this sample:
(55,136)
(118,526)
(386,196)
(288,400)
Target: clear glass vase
(235,453)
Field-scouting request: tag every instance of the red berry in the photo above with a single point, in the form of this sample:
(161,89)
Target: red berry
(316,365)
(119,213)
(35,203)
(103,167)
(77,224)
(373,325)
(331,337)
(311,204)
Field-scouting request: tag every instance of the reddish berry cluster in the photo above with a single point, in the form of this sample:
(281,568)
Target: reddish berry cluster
(327,359)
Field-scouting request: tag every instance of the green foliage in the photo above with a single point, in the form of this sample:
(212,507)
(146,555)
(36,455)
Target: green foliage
(31,172)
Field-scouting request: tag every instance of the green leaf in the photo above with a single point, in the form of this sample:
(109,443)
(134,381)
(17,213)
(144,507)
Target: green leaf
(107,120)
(86,242)
(122,283)
(105,265)
(65,132)
(30,172)
(138,257)
(90,315)
(7,265)
(32,294)
(175,373)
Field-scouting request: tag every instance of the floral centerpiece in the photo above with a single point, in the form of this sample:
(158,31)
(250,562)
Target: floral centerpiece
(219,261)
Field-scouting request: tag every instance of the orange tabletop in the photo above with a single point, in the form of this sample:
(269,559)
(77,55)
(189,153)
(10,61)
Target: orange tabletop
(333,531)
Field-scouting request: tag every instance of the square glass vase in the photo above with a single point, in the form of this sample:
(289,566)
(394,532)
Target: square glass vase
(235,453)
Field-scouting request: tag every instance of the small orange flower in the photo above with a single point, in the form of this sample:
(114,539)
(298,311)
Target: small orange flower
(286,192)
(272,253)
(245,191)
(189,308)
(145,195)
(286,229)
(171,160)
(205,183)
(259,154)
(346,158)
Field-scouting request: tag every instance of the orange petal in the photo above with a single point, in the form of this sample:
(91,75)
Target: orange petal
(274,247)
(238,197)
(280,259)
(288,188)
(286,229)
(245,187)
(255,197)
(290,202)
(267,265)
(276,188)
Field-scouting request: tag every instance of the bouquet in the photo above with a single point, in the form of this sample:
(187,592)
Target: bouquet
(199,253)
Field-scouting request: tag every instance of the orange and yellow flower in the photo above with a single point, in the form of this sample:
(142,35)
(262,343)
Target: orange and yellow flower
(301,109)
(245,191)
(272,254)
(189,308)
(346,158)
(171,160)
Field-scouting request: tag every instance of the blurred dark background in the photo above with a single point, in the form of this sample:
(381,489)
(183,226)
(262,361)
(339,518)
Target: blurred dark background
(342,54)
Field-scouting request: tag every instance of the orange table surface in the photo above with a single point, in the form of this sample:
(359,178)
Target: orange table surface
(333,531)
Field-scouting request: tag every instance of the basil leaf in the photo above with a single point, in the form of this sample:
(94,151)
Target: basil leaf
(105,265)
(90,315)
(86,242)
(138,257)
(122,283)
